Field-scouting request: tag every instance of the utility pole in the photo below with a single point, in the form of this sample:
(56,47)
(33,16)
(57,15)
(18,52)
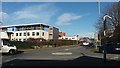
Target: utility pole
(0,32)
(0,23)
(0,42)
(99,20)
(99,8)
(105,40)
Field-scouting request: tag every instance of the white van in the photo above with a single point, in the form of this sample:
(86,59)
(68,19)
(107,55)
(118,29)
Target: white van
(5,46)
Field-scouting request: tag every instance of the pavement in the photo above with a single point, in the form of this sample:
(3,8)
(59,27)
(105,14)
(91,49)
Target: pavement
(59,56)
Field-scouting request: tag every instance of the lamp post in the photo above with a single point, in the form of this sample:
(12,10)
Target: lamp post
(99,20)
(105,38)
(0,34)
(0,42)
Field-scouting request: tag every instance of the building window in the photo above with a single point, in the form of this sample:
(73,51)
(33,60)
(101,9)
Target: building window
(16,34)
(12,39)
(50,34)
(24,34)
(28,34)
(73,38)
(33,33)
(42,33)
(20,34)
(24,39)
(16,39)
(50,28)
(19,39)
(37,33)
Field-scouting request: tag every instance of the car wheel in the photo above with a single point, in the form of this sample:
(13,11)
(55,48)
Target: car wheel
(12,52)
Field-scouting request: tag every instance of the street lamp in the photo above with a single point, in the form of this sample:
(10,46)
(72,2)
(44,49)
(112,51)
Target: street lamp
(105,40)
(0,34)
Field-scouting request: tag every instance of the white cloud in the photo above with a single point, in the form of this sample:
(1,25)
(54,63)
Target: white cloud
(87,34)
(31,14)
(25,15)
(65,18)
(3,15)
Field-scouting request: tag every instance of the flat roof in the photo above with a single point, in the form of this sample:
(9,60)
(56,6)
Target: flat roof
(22,25)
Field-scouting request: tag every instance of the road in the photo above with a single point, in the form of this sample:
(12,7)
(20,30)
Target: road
(59,53)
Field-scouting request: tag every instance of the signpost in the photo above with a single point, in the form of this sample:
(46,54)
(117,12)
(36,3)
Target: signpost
(104,46)
(105,38)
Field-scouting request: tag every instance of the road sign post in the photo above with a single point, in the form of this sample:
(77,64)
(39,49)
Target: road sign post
(105,41)
(105,38)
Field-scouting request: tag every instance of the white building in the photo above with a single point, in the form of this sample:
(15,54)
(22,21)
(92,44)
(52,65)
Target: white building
(75,37)
(25,31)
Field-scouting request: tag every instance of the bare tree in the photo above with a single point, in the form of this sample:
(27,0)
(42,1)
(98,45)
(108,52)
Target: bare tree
(113,24)
(114,12)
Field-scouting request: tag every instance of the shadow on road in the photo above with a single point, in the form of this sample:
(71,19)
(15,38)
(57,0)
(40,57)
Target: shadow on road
(108,52)
(97,51)
(84,61)
(18,52)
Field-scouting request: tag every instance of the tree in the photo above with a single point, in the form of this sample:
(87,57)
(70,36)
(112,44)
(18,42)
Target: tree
(116,34)
(112,24)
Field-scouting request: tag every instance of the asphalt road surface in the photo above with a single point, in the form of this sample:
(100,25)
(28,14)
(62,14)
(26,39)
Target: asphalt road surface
(59,56)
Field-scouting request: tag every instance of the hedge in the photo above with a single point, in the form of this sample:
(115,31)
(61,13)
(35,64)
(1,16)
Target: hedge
(30,44)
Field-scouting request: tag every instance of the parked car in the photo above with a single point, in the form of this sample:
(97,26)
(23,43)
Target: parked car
(91,45)
(110,48)
(5,45)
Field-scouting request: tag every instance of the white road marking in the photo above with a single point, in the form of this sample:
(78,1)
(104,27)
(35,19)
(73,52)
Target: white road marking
(62,53)
(66,49)
(116,57)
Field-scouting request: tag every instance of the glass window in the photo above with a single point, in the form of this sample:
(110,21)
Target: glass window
(5,42)
(33,33)
(50,28)
(20,34)
(19,39)
(50,34)
(37,33)
(24,34)
(24,39)
(16,34)
(42,33)
(73,38)
(16,39)
(28,34)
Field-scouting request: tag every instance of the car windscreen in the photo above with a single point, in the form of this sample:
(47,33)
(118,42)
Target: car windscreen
(6,41)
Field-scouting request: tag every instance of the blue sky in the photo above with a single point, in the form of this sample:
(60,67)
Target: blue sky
(74,18)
